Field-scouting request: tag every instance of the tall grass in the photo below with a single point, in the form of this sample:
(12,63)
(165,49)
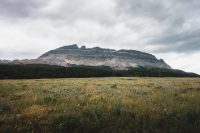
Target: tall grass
(156,105)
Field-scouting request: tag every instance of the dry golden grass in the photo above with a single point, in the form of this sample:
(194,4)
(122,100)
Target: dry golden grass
(100,105)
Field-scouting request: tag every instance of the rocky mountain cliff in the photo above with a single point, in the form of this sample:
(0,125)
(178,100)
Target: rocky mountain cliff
(121,59)
(116,59)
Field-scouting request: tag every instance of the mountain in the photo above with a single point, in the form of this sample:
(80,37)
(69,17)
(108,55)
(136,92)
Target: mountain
(116,59)
(71,62)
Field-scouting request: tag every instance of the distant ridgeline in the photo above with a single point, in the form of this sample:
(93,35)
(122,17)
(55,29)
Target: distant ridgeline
(34,71)
(116,59)
(73,62)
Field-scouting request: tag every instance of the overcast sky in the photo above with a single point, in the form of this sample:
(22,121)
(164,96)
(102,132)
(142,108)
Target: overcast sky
(169,29)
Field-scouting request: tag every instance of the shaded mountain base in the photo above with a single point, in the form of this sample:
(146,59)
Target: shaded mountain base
(34,71)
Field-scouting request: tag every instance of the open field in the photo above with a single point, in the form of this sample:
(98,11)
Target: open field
(100,105)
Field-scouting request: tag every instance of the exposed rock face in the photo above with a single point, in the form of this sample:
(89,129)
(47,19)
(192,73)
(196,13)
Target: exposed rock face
(5,61)
(121,59)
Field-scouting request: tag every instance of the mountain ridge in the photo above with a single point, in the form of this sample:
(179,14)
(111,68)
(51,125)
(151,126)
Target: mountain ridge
(96,56)
(73,61)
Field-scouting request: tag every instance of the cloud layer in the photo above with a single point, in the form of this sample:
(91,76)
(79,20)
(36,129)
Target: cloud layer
(170,29)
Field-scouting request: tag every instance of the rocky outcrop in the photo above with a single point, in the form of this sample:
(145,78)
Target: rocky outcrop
(121,59)
(116,59)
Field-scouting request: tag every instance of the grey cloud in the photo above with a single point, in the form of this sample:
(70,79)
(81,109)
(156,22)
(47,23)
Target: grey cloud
(154,9)
(169,31)
(19,8)
(59,12)
(71,11)
(160,10)
(178,42)
(172,18)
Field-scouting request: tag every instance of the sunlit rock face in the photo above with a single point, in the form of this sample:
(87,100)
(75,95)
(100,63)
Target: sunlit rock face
(116,59)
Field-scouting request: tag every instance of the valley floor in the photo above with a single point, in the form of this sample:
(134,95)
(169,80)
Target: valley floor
(156,105)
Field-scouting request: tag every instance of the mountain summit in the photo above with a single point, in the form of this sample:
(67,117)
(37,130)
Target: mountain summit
(116,59)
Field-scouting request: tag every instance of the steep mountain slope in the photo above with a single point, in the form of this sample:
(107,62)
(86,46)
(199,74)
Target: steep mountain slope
(120,60)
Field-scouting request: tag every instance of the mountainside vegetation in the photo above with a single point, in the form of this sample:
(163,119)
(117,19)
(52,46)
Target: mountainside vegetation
(34,71)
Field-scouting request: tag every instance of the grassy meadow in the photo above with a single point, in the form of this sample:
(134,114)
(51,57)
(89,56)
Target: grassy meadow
(137,105)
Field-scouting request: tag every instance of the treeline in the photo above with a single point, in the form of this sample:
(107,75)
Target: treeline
(35,71)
